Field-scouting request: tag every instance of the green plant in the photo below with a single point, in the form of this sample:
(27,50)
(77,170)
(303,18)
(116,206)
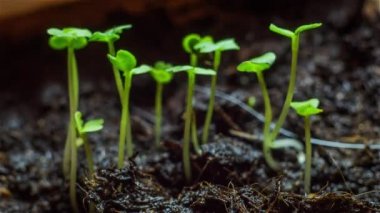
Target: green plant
(295,38)
(83,128)
(209,46)
(188,43)
(71,39)
(161,75)
(307,109)
(110,36)
(191,73)
(126,62)
(258,65)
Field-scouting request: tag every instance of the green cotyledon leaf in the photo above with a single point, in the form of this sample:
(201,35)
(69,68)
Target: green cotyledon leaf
(258,64)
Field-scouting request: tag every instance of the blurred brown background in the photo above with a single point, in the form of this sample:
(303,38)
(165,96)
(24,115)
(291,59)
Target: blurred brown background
(27,61)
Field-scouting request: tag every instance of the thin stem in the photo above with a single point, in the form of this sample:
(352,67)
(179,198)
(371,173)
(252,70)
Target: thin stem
(116,72)
(291,88)
(268,119)
(123,123)
(127,87)
(88,153)
(307,175)
(186,135)
(210,108)
(66,154)
(73,98)
(158,110)
(193,59)
(194,135)
(67,149)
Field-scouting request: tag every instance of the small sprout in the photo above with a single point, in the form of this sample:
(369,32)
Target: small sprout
(191,73)
(307,109)
(258,65)
(75,38)
(294,37)
(84,128)
(161,74)
(110,36)
(90,126)
(189,42)
(208,46)
(71,39)
(126,62)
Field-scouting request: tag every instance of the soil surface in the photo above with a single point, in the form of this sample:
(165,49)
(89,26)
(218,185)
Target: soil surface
(338,65)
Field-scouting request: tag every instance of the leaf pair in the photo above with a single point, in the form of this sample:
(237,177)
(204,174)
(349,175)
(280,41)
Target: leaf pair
(110,35)
(75,38)
(194,43)
(290,34)
(196,70)
(258,64)
(160,71)
(90,126)
(208,46)
(307,108)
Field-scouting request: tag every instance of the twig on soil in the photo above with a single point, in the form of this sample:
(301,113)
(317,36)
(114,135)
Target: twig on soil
(287,133)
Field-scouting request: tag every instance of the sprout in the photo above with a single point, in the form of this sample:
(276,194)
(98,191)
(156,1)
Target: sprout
(191,73)
(294,37)
(109,37)
(126,62)
(258,65)
(208,46)
(84,128)
(189,43)
(161,74)
(307,109)
(71,39)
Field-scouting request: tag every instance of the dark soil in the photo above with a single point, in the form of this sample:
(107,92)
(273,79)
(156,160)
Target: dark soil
(340,66)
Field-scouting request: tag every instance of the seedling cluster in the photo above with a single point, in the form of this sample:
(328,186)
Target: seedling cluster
(124,67)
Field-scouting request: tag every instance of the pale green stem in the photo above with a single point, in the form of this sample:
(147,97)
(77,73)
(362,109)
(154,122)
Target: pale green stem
(193,59)
(268,119)
(158,110)
(123,136)
(67,149)
(307,175)
(194,135)
(210,108)
(186,135)
(116,72)
(129,127)
(291,88)
(73,77)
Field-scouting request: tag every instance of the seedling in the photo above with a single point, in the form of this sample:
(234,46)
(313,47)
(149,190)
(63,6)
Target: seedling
(110,36)
(258,65)
(295,38)
(161,75)
(126,62)
(307,109)
(191,73)
(71,39)
(208,46)
(188,43)
(83,128)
